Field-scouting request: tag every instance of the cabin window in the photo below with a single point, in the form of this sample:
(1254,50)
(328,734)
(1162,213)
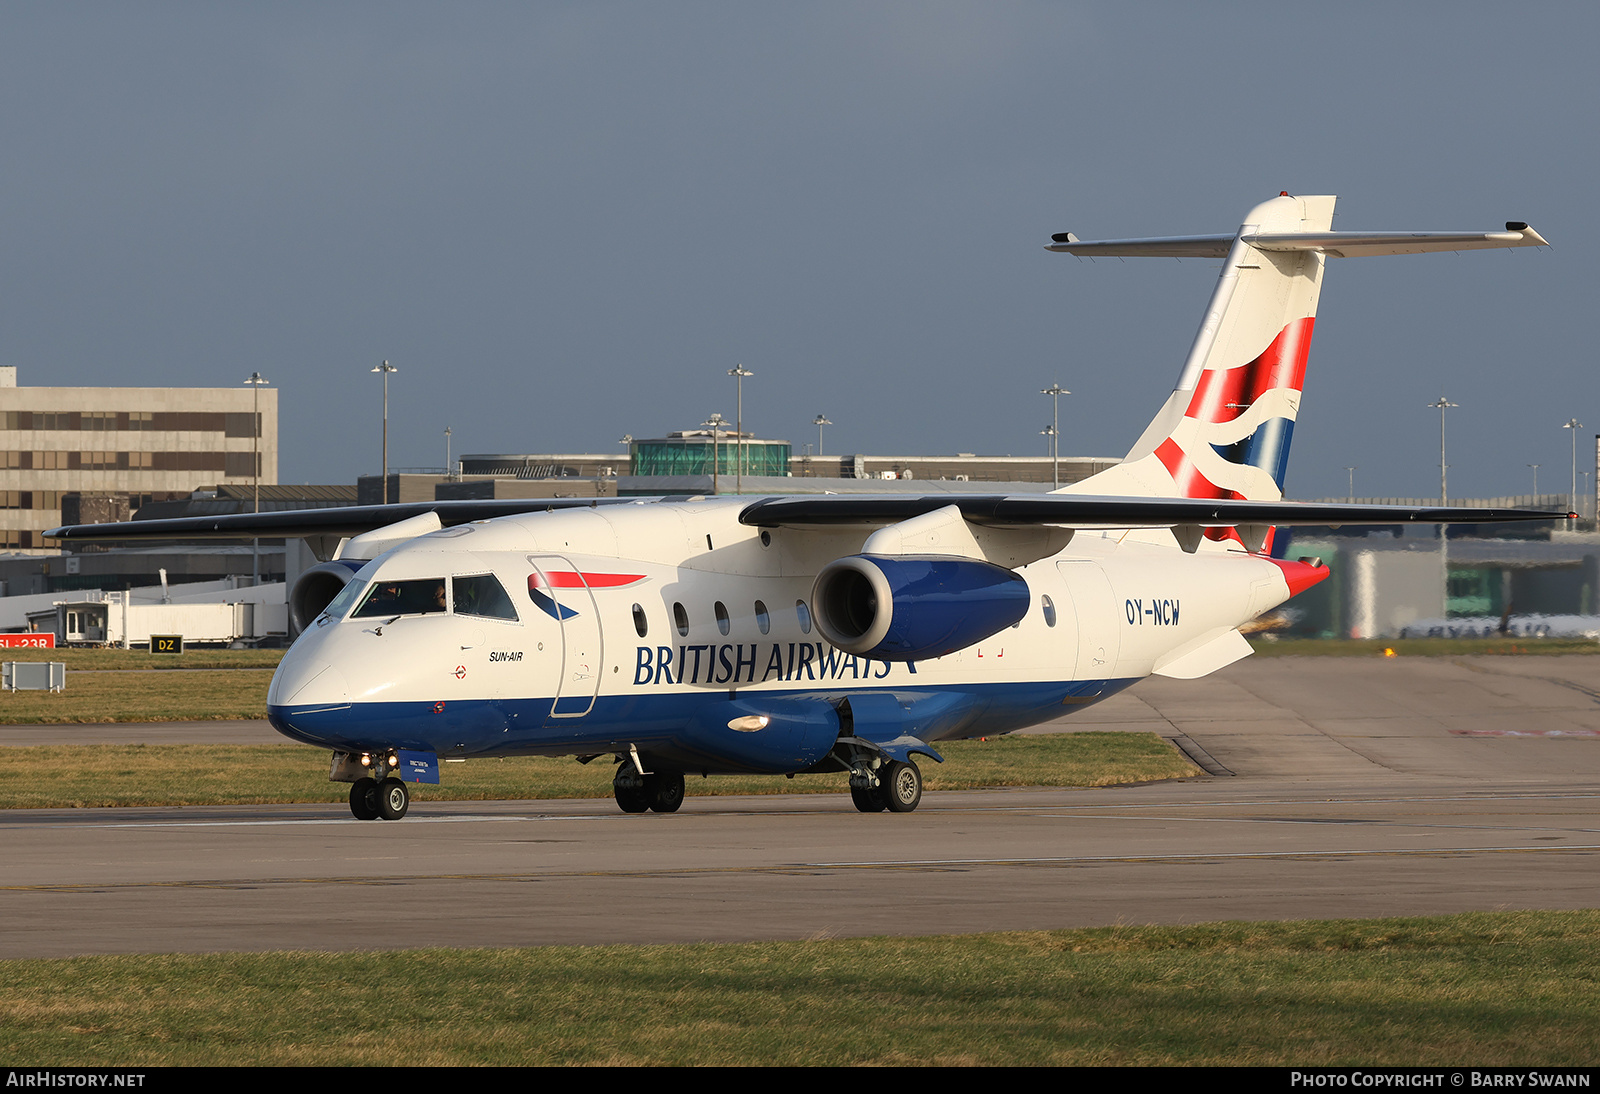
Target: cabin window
(721,612)
(763,620)
(804,614)
(1049,610)
(681,619)
(388,598)
(482,595)
(640,623)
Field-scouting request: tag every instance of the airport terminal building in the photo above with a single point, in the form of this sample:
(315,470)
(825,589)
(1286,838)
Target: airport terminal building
(125,444)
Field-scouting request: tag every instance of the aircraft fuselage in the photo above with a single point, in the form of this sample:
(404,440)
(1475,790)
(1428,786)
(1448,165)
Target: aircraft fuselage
(706,621)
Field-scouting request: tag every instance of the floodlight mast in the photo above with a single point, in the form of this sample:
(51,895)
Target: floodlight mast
(386,368)
(1441,405)
(1572,498)
(255,380)
(715,424)
(1055,391)
(739,372)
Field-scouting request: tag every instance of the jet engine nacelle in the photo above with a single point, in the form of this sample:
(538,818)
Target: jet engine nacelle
(909,608)
(315,589)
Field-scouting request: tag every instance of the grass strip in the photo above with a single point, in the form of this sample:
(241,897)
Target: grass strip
(1500,989)
(1422,647)
(84,776)
(112,659)
(202,695)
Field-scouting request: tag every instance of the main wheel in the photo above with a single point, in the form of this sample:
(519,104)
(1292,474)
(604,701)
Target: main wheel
(867,799)
(393,799)
(664,791)
(901,786)
(364,799)
(631,799)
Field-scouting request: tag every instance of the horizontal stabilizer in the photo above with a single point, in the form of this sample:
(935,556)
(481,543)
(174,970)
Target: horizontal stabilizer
(1155,247)
(1335,244)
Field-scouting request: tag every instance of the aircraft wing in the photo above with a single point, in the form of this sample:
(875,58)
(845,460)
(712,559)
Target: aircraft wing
(992,510)
(350,520)
(1089,511)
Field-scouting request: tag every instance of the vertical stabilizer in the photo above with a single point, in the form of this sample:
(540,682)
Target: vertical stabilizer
(1225,430)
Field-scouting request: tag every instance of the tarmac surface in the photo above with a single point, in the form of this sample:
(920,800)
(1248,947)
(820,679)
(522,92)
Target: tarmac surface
(1341,787)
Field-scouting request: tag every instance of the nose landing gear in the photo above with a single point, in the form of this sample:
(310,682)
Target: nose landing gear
(372,798)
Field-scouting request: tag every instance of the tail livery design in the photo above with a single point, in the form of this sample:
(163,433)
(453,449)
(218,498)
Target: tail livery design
(1224,432)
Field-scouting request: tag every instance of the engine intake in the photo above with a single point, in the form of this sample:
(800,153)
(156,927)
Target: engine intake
(909,608)
(315,589)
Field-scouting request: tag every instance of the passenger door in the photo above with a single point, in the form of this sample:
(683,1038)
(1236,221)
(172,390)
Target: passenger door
(582,648)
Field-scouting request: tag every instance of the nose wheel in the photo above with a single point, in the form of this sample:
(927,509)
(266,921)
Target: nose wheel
(394,799)
(371,799)
(364,799)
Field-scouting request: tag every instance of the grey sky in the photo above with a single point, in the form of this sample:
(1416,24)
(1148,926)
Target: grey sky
(564,222)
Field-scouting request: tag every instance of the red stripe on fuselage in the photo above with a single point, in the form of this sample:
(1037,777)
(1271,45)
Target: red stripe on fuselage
(572,579)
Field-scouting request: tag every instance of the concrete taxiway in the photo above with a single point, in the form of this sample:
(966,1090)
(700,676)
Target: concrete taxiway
(1346,787)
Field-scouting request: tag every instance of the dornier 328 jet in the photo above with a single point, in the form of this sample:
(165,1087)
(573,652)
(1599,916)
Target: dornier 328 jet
(790,635)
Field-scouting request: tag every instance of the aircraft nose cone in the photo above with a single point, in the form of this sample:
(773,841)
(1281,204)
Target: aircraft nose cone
(308,682)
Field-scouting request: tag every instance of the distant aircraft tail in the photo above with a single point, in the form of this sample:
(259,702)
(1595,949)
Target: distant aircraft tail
(1225,430)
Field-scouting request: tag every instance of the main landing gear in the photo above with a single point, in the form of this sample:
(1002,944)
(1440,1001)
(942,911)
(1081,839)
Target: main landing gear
(661,791)
(895,786)
(371,799)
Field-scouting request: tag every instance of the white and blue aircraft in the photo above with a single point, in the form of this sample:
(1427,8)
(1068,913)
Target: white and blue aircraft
(790,635)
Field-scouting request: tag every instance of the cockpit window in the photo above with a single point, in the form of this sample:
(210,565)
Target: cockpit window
(482,595)
(386,598)
(347,596)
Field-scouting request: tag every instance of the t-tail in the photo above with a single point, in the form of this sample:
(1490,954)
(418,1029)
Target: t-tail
(1225,430)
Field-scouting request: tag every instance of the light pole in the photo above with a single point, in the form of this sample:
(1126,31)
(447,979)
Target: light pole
(739,372)
(819,421)
(715,424)
(386,368)
(1049,433)
(1535,482)
(1442,405)
(1351,496)
(1572,498)
(449,475)
(255,380)
(1055,391)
